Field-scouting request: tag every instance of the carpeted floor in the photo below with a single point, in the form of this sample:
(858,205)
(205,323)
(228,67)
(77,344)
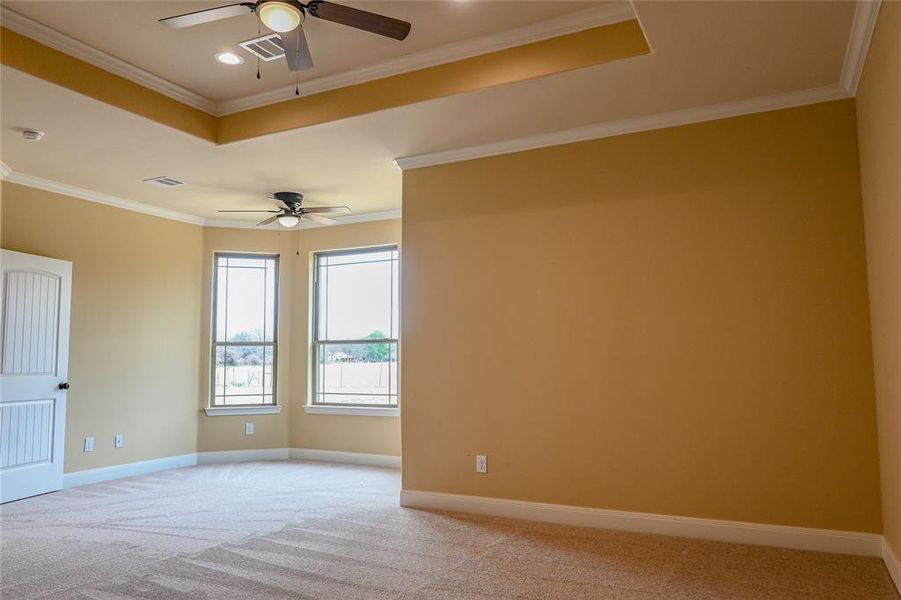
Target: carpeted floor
(313,530)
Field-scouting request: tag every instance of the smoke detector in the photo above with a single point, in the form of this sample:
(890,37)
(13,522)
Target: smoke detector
(32,135)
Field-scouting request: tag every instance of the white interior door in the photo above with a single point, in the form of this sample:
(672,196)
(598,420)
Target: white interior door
(34,357)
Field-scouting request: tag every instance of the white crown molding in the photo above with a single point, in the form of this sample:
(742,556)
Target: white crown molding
(571,23)
(92,196)
(89,476)
(384,215)
(891,563)
(49,185)
(68,45)
(632,125)
(862,27)
(801,538)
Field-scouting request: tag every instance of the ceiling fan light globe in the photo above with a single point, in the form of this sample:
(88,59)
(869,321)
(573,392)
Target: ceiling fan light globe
(288,220)
(279,16)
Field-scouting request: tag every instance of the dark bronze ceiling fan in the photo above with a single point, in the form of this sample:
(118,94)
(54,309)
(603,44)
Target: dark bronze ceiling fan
(291,211)
(286,17)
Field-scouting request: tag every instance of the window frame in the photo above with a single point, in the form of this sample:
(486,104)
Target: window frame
(316,343)
(214,344)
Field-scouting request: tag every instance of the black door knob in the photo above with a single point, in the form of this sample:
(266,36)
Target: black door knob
(64,386)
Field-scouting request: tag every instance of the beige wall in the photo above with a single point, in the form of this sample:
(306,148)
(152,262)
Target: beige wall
(270,431)
(135,318)
(879,132)
(371,435)
(670,322)
(292,428)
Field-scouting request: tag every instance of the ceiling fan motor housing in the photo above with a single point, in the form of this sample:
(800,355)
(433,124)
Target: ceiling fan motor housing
(292,199)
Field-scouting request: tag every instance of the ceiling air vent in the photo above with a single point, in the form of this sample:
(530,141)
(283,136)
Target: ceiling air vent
(164,182)
(269,47)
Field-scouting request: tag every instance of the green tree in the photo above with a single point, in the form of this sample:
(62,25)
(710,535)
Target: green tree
(376,352)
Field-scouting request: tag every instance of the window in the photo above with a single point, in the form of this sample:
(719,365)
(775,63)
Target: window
(355,328)
(245,329)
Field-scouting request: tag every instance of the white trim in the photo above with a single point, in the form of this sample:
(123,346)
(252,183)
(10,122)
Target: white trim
(227,456)
(68,45)
(891,563)
(230,411)
(353,458)
(143,467)
(862,27)
(384,215)
(359,411)
(579,21)
(92,196)
(633,125)
(4,170)
(803,538)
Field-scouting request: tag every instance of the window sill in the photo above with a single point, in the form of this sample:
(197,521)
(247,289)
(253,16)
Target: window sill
(359,411)
(230,411)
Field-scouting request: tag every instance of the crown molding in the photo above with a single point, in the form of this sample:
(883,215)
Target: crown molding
(68,45)
(571,23)
(633,125)
(384,215)
(65,189)
(862,27)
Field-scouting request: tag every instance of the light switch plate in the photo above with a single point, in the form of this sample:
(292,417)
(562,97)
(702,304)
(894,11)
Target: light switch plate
(120,440)
(248,428)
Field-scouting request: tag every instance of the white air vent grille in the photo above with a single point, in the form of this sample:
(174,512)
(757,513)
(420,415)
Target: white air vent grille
(269,47)
(165,182)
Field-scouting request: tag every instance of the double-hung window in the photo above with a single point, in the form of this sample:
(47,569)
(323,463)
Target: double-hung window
(355,328)
(245,329)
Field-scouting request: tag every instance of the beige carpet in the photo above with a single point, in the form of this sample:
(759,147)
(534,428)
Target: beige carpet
(313,530)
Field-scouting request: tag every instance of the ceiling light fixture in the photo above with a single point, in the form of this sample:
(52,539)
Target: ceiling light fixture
(279,16)
(229,58)
(288,220)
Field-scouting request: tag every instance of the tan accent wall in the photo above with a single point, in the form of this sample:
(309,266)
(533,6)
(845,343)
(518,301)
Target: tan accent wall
(370,435)
(135,320)
(670,322)
(292,428)
(879,134)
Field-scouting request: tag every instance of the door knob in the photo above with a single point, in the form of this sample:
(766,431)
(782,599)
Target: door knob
(63,386)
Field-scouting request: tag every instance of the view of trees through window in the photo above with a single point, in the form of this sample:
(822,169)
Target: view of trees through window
(244,335)
(356,327)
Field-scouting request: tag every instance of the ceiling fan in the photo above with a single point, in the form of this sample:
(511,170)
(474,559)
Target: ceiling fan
(291,211)
(285,18)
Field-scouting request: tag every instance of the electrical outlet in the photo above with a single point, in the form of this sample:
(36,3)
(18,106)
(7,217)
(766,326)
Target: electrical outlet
(248,428)
(481,463)
(89,444)
(120,440)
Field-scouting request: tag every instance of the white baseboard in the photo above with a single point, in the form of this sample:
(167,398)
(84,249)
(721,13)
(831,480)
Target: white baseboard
(891,563)
(802,538)
(143,467)
(226,456)
(354,458)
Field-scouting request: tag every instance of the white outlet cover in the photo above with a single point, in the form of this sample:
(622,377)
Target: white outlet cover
(89,444)
(248,428)
(481,463)
(120,440)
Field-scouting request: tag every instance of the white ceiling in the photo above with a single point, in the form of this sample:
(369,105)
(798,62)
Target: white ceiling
(704,53)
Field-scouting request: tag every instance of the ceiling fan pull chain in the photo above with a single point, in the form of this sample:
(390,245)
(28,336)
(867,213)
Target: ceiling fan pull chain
(297,85)
(258,37)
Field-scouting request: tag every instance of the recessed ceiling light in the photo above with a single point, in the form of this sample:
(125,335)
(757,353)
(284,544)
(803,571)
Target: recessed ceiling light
(229,58)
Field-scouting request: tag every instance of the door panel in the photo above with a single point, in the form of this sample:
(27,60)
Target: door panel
(34,343)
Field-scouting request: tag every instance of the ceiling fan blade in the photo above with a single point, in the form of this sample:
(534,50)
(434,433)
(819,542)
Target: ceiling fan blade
(360,19)
(319,219)
(267,221)
(297,53)
(208,15)
(249,211)
(326,209)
